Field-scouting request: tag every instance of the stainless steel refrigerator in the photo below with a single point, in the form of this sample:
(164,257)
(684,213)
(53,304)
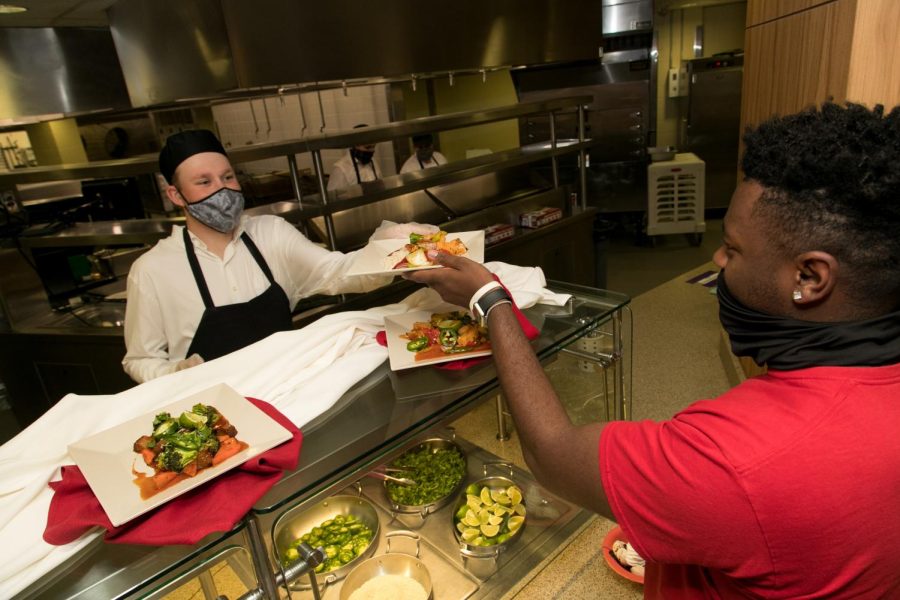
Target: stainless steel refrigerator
(711,121)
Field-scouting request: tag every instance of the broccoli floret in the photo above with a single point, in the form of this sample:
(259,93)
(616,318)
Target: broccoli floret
(173,458)
(210,412)
(211,443)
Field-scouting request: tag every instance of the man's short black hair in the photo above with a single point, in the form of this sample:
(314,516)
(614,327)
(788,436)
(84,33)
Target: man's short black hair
(832,183)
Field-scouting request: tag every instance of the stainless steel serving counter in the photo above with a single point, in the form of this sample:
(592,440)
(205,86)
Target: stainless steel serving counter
(374,422)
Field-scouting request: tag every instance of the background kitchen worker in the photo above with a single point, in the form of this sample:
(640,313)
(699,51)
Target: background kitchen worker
(356,166)
(425,155)
(785,486)
(226,279)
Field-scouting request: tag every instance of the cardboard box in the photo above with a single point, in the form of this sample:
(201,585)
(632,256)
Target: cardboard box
(498,233)
(539,218)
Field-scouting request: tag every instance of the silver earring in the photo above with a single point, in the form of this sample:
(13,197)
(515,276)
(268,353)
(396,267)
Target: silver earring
(798,295)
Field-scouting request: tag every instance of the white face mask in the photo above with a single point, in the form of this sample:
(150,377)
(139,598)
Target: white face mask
(221,210)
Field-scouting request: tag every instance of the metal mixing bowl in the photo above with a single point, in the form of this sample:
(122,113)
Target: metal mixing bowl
(433,444)
(300,520)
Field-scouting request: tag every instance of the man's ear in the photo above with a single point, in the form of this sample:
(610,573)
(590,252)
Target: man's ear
(175,196)
(815,277)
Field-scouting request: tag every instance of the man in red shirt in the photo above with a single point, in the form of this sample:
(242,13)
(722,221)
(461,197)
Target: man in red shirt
(788,485)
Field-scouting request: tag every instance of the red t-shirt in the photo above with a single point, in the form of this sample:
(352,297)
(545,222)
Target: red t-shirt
(787,486)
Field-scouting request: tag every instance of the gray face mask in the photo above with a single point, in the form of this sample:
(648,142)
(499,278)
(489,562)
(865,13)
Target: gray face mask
(221,210)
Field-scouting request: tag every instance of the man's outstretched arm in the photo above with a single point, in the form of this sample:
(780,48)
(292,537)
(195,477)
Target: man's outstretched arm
(563,457)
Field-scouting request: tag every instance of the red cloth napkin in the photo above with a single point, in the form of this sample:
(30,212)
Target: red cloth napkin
(214,506)
(528,329)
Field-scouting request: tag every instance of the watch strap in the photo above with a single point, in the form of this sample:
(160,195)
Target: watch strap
(487,301)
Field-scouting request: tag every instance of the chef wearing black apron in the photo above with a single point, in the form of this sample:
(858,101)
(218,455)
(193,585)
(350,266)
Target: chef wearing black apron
(224,329)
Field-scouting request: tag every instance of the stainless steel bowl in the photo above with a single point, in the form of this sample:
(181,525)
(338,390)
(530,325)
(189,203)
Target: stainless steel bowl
(486,551)
(300,520)
(390,563)
(432,444)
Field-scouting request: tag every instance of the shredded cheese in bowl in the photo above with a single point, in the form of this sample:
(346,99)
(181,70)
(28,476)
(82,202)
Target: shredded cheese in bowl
(390,587)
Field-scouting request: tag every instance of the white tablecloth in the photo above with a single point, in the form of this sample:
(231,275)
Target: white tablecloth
(302,373)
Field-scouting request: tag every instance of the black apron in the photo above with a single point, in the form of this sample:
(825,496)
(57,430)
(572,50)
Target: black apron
(224,329)
(356,168)
(432,159)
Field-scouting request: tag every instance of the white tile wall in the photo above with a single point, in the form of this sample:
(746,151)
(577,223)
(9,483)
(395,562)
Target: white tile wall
(364,104)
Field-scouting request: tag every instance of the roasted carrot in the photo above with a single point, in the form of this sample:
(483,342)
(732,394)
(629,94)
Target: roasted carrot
(148,456)
(190,469)
(164,477)
(227,448)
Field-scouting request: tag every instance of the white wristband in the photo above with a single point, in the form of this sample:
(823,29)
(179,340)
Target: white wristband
(495,305)
(481,292)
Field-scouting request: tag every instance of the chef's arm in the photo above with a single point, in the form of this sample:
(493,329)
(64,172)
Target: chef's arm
(147,355)
(312,269)
(563,457)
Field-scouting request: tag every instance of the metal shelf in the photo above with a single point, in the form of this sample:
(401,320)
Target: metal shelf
(148,163)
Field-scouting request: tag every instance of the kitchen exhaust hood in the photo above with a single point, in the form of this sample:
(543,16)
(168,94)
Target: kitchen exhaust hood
(173,50)
(57,71)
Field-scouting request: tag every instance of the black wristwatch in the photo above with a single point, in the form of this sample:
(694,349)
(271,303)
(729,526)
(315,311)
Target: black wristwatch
(484,304)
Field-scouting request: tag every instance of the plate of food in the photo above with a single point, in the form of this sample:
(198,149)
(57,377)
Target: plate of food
(431,337)
(394,256)
(145,462)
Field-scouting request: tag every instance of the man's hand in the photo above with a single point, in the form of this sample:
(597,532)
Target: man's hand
(457,282)
(389,230)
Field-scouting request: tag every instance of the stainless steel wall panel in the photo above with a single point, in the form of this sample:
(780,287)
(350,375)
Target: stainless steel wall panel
(284,41)
(623,16)
(56,70)
(171,50)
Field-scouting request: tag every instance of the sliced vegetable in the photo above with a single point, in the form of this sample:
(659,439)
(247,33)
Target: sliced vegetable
(436,471)
(417,344)
(343,538)
(490,516)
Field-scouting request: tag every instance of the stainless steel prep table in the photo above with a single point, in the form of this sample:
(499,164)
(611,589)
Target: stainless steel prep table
(372,423)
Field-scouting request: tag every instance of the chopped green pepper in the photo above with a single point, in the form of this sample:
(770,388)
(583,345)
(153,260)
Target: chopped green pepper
(453,324)
(417,344)
(343,538)
(447,338)
(436,472)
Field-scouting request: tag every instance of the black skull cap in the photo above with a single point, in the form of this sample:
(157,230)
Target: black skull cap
(183,145)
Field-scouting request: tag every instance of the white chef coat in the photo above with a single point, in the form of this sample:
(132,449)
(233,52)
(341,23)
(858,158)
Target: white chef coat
(164,304)
(412,163)
(343,175)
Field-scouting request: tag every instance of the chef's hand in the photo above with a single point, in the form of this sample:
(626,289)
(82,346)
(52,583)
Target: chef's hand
(191,361)
(388,230)
(457,282)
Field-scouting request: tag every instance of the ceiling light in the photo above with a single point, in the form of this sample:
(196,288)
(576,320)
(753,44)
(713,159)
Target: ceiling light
(8,9)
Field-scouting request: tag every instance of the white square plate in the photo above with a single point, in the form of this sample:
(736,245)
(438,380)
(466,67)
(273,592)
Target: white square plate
(373,259)
(401,358)
(106,458)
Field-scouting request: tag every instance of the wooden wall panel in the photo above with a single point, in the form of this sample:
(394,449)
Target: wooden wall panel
(796,61)
(761,11)
(874,70)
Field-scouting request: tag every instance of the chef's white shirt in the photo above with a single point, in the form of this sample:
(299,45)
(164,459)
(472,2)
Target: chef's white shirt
(343,174)
(164,304)
(412,163)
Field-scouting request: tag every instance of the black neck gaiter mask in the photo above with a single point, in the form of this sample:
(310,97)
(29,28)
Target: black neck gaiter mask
(786,344)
